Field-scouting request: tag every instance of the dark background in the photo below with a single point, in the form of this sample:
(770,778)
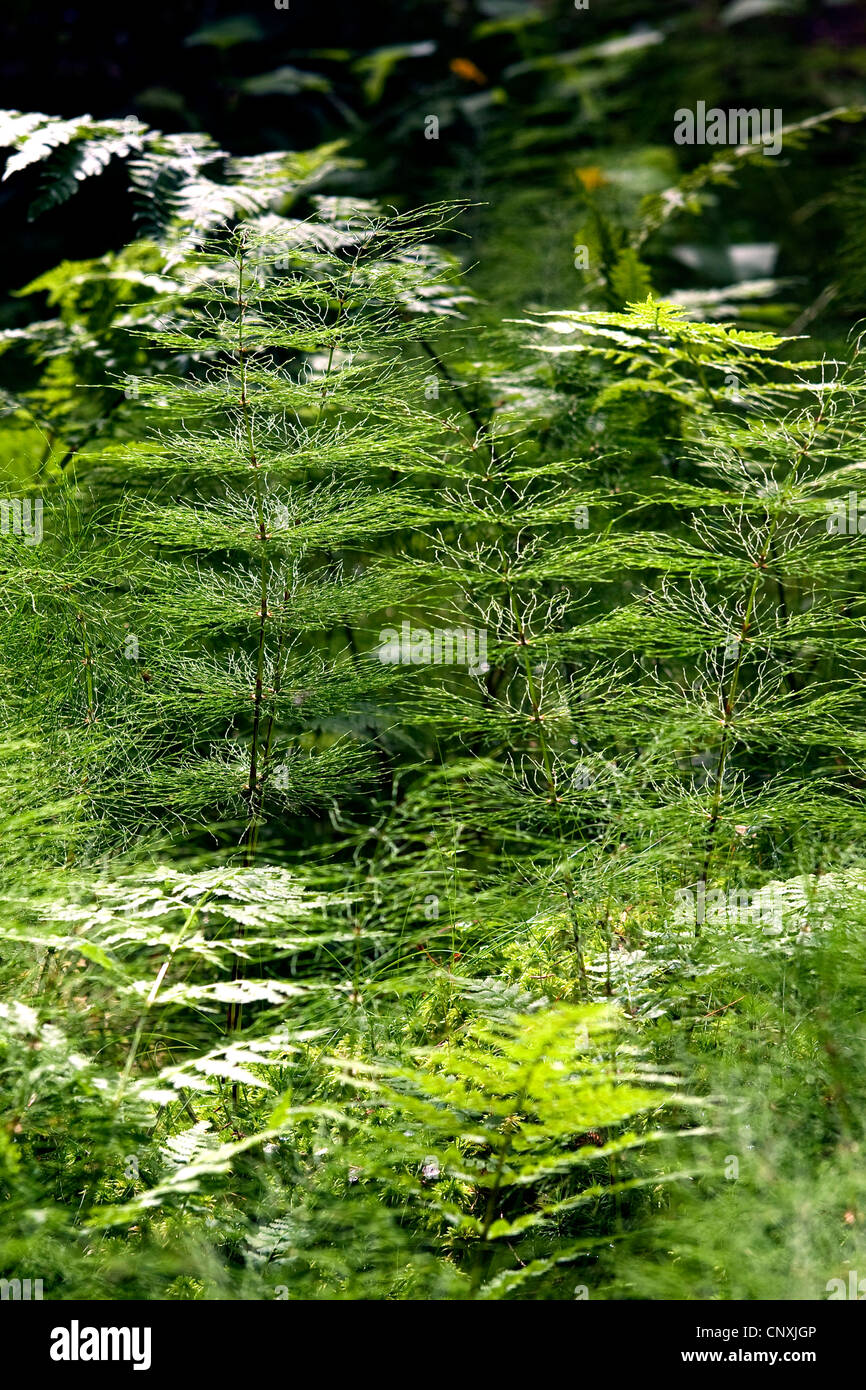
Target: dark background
(492,69)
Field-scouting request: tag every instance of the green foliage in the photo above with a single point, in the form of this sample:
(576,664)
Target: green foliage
(351,1158)
(764,1008)
(433,766)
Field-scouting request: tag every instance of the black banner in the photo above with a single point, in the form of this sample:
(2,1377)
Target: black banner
(98,1340)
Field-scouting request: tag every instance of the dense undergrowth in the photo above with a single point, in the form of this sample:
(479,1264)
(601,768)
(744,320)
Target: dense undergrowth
(433,750)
